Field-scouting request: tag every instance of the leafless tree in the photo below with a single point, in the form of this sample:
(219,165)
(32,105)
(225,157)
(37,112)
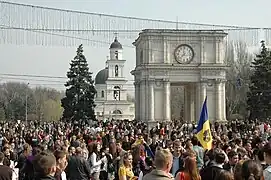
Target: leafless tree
(238,58)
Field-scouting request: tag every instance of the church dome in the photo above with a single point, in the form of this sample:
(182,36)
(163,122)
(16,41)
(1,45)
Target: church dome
(101,76)
(116,44)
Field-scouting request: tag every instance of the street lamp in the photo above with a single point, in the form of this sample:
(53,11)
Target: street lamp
(26,104)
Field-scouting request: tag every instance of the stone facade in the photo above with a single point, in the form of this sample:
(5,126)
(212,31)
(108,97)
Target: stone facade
(157,69)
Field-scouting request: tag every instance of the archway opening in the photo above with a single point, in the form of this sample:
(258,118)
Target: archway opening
(117,111)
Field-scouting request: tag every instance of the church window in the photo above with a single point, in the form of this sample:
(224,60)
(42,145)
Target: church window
(117,111)
(116,55)
(102,94)
(116,93)
(116,71)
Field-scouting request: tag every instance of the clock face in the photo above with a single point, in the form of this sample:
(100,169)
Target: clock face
(184,54)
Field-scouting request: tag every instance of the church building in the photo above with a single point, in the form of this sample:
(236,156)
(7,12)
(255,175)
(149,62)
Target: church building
(111,99)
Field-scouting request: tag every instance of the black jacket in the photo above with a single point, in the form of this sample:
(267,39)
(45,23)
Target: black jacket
(45,178)
(5,173)
(78,168)
(210,172)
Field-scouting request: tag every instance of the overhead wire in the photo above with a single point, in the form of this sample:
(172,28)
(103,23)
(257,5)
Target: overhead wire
(126,17)
(104,30)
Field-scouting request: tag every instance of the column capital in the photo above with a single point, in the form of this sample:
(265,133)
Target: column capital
(220,80)
(151,80)
(211,82)
(166,80)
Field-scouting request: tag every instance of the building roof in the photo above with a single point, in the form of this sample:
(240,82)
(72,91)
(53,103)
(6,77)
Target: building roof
(101,76)
(116,44)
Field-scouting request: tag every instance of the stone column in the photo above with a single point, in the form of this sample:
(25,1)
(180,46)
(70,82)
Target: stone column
(223,100)
(142,101)
(151,101)
(137,100)
(167,113)
(218,98)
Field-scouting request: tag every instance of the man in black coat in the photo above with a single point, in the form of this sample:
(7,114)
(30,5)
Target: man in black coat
(5,171)
(233,160)
(212,171)
(78,168)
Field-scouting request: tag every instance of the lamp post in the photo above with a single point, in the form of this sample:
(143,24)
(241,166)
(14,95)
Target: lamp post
(26,104)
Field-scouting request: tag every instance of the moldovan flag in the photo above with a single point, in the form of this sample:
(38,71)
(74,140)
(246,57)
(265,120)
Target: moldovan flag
(203,132)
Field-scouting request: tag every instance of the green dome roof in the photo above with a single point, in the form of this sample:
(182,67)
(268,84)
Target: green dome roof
(101,76)
(116,44)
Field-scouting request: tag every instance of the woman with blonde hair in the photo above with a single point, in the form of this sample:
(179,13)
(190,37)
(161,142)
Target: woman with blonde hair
(125,171)
(190,171)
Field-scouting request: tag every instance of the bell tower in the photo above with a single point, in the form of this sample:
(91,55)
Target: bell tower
(116,78)
(115,62)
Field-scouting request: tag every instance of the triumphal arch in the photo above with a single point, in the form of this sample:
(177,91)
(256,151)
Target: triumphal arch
(194,58)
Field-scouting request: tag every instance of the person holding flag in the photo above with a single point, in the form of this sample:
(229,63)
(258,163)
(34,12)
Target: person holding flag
(203,132)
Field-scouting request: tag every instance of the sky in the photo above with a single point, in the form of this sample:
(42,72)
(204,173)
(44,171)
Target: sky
(54,60)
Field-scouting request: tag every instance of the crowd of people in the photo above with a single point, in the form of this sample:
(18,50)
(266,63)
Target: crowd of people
(128,150)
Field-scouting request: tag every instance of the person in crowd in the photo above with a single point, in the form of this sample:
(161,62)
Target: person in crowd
(44,166)
(5,171)
(212,171)
(78,167)
(233,160)
(237,174)
(190,171)
(118,156)
(107,166)
(199,152)
(251,170)
(267,158)
(225,175)
(155,143)
(126,169)
(148,168)
(27,171)
(259,157)
(178,163)
(163,163)
(95,160)
(23,158)
(126,144)
(61,164)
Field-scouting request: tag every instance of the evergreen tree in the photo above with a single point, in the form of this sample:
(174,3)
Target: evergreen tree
(79,103)
(259,95)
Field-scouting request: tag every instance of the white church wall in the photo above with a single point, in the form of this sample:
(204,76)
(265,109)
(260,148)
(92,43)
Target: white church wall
(99,88)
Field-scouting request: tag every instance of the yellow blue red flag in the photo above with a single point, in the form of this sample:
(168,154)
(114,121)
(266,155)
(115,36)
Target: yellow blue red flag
(203,132)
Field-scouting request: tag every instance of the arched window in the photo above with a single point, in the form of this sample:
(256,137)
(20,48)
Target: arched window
(116,55)
(102,94)
(116,71)
(117,111)
(116,93)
